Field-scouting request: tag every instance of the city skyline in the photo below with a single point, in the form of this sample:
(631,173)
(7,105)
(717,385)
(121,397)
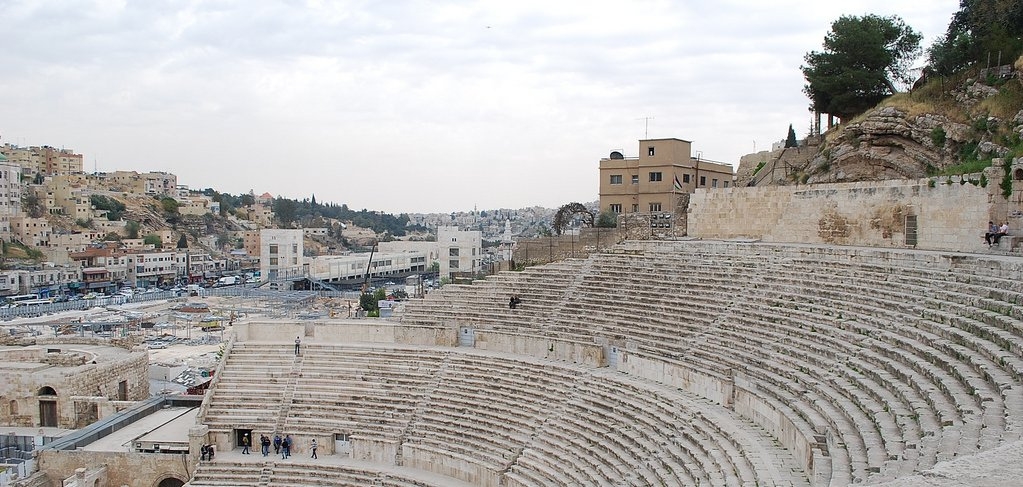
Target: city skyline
(410,107)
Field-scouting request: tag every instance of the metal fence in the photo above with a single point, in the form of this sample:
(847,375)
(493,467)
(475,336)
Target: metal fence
(243,290)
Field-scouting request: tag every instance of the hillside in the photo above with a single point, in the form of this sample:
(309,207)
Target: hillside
(948,126)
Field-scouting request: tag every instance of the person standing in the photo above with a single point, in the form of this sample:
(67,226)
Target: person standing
(264,443)
(286,447)
(313,446)
(298,344)
(246,442)
(277,444)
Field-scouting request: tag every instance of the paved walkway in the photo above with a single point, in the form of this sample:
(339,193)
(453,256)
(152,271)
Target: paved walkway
(258,460)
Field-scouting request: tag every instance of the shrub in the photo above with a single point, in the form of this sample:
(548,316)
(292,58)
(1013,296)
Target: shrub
(938,136)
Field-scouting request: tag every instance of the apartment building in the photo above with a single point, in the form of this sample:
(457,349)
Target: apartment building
(148,183)
(651,182)
(34,232)
(280,253)
(10,195)
(156,268)
(461,251)
(45,160)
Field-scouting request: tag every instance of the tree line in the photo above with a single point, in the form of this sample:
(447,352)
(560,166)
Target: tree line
(866,58)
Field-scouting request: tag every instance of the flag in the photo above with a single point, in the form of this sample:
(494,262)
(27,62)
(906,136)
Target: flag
(678,184)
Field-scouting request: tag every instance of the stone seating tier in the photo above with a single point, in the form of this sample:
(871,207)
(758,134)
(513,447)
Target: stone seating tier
(905,358)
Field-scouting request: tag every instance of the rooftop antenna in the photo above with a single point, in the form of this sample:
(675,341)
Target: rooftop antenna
(646,126)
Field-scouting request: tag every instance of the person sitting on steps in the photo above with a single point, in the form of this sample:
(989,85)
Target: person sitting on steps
(992,230)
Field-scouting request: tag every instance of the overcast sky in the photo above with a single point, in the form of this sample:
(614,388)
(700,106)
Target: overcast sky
(407,106)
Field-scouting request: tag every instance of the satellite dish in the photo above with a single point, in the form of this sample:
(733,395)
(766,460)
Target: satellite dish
(617,155)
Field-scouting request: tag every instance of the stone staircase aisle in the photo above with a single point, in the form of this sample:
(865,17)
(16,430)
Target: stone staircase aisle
(289,396)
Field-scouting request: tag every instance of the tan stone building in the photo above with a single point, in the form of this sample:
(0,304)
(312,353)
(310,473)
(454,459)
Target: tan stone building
(69,385)
(652,182)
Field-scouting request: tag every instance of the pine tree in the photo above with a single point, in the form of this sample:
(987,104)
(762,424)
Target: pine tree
(790,141)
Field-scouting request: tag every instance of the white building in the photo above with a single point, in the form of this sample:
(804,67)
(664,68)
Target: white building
(10,195)
(280,253)
(460,250)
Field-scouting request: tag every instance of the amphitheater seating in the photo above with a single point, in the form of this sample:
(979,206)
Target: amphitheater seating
(735,364)
(887,360)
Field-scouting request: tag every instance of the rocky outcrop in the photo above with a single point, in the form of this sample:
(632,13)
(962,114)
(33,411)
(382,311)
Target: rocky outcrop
(889,144)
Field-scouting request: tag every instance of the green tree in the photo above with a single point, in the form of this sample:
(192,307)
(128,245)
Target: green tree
(183,242)
(154,240)
(169,205)
(607,219)
(131,229)
(863,59)
(791,141)
(368,302)
(979,28)
(33,205)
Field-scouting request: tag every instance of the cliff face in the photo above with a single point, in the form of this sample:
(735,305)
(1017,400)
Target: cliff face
(888,144)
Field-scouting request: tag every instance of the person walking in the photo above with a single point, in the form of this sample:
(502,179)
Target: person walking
(277,444)
(286,447)
(264,443)
(313,446)
(246,442)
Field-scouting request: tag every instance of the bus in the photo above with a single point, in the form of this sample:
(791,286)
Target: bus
(27,299)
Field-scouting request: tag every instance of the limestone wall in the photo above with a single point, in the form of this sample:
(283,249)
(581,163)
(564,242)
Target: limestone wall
(123,468)
(83,392)
(949,216)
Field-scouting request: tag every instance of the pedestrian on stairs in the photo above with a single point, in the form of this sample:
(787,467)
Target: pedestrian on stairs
(246,442)
(298,344)
(286,447)
(277,444)
(313,446)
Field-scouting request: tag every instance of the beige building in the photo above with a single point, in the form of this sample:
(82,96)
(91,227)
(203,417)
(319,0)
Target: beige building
(45,160)
(651,182)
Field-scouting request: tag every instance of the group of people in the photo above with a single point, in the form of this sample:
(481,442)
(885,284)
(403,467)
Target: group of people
(206,452)
(995,232)
(513,302)
(282,446)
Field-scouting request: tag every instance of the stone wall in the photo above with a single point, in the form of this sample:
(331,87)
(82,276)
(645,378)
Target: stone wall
(123,468)
(949,216)
(85,392)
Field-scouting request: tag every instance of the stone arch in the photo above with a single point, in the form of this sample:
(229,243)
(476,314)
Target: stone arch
(13,407)
(46,391)
(1017,174)
(169,481)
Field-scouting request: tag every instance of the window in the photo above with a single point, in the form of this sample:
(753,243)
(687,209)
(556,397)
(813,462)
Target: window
(614,208)
(655,176)
(294,248)
(273,260)
(616,179)
(685,178)
(635,179)
(650,151)
(635,207)
(726,184)
(655,207)
(703,180)
(453,252)
(714,183)
(273,248)
(453,264)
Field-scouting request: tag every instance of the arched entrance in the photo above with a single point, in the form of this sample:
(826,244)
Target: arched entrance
(170,482)
(47,407)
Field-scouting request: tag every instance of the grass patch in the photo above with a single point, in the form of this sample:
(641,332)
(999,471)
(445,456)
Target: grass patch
(966,167)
